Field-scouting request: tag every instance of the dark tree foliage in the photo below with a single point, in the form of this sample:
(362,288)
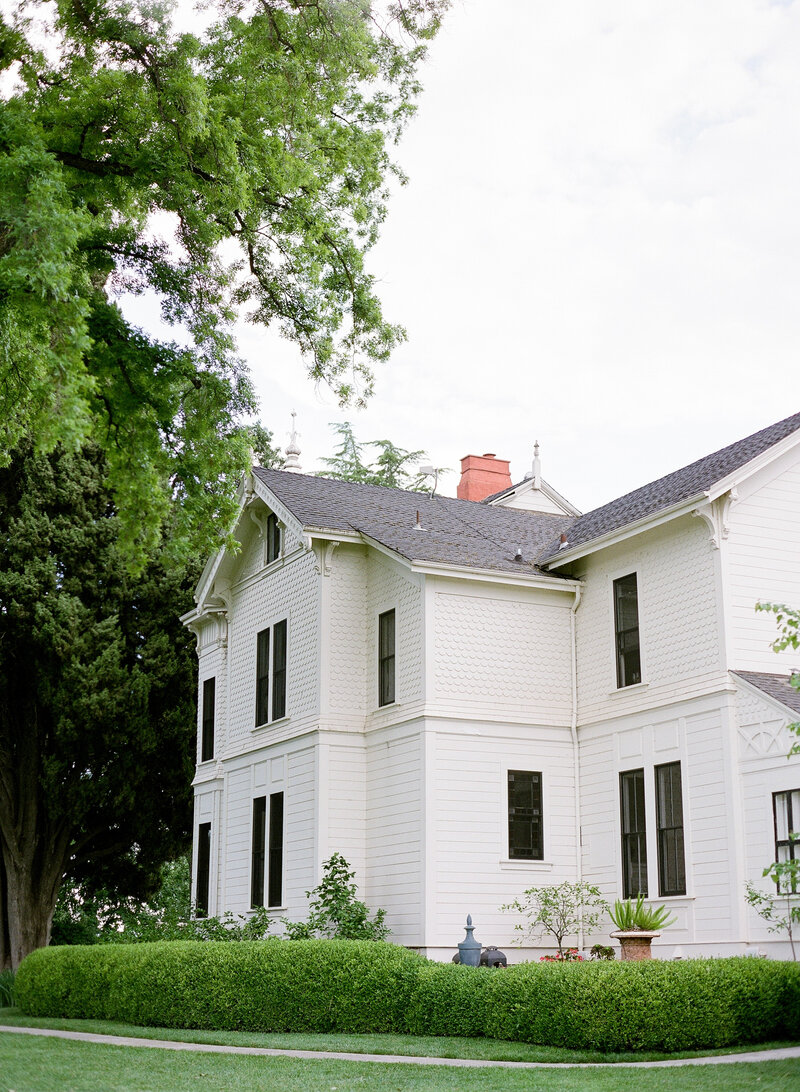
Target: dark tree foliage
(239,171)
(97,698)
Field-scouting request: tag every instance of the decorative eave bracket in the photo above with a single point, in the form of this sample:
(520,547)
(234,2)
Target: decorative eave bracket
(716,514)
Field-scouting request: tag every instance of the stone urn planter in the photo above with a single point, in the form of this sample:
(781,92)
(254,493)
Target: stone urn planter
(635,943)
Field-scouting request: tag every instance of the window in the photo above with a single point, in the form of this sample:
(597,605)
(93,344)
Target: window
(273,537)
(786,811)
(207,738)
(386,658)
(634,840)
(669,824)
(626,627)
(271,686)
(257,857)
(203,870)
(525,828)
(267,851)
(275,886)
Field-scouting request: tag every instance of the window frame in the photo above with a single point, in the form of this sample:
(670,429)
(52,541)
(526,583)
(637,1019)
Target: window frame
(202,883)
(620,632)
(639,834)
(387,660)
(540,856)
(273,538)
(208,719)
(267,851)
(664,830)
(272,660)
(792,826)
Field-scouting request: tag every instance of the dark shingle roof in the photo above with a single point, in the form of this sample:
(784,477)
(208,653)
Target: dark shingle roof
(676,487)
(457,532)
(776,686)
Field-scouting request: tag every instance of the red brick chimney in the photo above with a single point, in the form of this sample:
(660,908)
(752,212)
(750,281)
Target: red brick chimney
(482,475)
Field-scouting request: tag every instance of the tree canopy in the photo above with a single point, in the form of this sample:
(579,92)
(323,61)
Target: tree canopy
(243,170)
(97,698)
(392,465)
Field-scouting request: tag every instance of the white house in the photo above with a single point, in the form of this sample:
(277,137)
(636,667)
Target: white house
(470,697)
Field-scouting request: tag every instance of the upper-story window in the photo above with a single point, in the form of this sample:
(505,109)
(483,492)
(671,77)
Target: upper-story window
(208,718)
(626,628)
(525,824)
(386,636)
(271,673)
(273,537)
(786,812)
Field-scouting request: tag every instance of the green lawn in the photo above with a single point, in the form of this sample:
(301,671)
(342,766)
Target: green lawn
(52,1065)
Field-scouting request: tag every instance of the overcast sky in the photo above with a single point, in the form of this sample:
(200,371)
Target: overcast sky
(597,248)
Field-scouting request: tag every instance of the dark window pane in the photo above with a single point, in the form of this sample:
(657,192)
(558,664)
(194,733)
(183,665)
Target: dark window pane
(258,851)
(209,701)
(273,537)
(669,821)
(279,670)
(203,870)
(275,849)
(386,658)
(634,835)
(525,823)
(626,627)
(262,677)
(786,812)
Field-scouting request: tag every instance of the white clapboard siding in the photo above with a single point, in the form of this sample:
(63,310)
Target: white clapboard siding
(763,564)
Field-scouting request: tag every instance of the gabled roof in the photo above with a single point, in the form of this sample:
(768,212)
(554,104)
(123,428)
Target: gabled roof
(525,486)
(464,534)
(680,485)
(777,687)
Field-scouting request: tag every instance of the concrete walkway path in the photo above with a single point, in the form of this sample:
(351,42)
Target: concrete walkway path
(213,1048)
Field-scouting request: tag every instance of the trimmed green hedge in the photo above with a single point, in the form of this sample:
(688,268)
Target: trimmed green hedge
(363,986)
(274,985)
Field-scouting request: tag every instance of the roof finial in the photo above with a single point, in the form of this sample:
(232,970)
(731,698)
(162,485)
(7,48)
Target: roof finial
(292,460)
(537,467)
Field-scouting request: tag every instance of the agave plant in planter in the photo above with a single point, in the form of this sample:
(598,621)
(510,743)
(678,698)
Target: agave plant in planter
(637,925)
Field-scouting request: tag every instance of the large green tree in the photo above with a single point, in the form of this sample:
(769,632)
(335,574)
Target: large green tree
(241,170)
(97,697)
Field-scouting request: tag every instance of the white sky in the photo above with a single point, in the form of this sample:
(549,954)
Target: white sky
(598,246)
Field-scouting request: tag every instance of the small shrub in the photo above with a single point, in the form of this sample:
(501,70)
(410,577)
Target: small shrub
(561,910)
(6,989)
(335,911)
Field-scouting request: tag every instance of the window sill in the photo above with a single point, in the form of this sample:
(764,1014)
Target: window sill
(383,708)
(271,724)
(672,898)
(523,864)
(628,689)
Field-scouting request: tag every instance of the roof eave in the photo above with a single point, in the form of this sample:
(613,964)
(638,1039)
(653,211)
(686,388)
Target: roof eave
(620,534)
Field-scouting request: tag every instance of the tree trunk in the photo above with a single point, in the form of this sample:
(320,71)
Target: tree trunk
(27,902)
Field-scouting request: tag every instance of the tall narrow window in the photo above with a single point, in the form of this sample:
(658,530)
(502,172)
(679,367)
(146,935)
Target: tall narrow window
(279,670)
(626,626)
(669,823)
(525,827)
(258,851)
(386,658)
(786,811)
(209,702)
(273,537)
(203,870)
(262,677)
(275,887)
(634,839)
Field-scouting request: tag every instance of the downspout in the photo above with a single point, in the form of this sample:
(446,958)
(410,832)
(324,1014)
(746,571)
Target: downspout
(575,753)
